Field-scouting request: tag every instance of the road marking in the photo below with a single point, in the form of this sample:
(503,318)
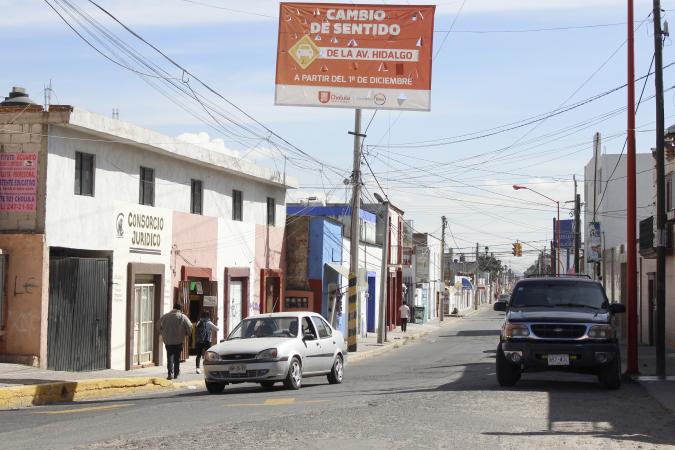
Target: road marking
(276,402)
(86,409)
(279,401)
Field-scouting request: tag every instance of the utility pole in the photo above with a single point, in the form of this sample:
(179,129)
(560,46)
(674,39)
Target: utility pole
(444,223)
(597,139)
(355,234)
(475,302)
(661,235)
(577,227)
(631,232)
(382,316)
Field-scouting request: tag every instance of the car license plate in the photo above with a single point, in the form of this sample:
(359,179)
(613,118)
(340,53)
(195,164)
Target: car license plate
(238,368)
(558,360)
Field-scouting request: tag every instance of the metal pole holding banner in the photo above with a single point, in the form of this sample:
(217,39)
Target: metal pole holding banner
(355,234)
(661,229)
(631,204)
(441,298)
(382,313)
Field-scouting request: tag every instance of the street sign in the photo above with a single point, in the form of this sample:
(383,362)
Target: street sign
(567,234)
(355,56)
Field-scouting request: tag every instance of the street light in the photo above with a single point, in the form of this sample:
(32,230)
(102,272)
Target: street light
(518,187)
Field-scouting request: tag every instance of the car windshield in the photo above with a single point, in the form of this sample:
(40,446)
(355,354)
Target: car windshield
(266,327)
(559,294)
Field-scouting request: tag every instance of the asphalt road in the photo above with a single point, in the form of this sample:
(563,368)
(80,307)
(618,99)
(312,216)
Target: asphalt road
(438,392)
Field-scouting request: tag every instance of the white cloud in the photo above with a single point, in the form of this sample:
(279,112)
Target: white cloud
(203,139)
(256,154)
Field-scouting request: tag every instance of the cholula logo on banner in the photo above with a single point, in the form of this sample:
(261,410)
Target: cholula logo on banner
(324,96)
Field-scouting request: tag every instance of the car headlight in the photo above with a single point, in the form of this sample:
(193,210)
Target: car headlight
(601,332)
(211,356)
(267,354)
(514,330)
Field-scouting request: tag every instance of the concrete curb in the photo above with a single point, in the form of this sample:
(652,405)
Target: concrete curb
(394,345)
(385,348)
(67,391)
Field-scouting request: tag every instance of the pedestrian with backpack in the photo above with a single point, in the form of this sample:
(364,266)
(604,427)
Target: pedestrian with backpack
(205,329)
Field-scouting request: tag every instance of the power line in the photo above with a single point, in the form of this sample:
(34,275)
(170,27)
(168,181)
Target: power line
(623,149)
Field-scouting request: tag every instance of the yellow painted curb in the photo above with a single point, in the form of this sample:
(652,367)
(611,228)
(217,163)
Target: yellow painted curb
(66,391)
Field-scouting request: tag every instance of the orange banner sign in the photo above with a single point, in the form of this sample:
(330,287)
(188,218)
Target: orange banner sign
(355,56)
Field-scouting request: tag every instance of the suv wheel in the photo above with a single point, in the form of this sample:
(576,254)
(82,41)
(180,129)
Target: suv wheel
(508,374)
(610,375)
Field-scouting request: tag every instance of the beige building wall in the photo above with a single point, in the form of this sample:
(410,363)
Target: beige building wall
(23,338)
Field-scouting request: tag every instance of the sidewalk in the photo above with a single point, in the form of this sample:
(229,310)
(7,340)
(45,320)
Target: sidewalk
(22,386)
(661,390)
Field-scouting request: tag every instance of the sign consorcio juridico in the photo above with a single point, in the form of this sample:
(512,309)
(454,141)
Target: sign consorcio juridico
(141,230)
(355,56)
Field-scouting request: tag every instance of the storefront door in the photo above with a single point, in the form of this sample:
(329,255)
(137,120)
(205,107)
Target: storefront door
(143,323)
(236,298)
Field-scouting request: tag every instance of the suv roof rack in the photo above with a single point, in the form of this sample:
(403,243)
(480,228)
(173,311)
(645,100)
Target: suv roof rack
(561,275)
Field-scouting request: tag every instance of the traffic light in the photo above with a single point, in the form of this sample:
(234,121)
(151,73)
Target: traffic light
(519,249)
(515,249)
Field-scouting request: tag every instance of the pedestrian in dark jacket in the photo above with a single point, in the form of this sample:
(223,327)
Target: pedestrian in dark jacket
(205,329)
(174,326)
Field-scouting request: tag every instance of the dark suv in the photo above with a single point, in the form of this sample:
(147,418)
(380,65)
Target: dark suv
(558,323)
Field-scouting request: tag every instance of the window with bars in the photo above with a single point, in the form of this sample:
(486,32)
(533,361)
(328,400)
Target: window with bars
(146,194)
(271,211)
(84,174)
(237,205)
(196,197)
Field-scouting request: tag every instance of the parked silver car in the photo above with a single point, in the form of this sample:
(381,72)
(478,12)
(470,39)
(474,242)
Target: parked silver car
(276,347)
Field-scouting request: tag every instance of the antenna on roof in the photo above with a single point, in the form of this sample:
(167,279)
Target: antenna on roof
(48,95)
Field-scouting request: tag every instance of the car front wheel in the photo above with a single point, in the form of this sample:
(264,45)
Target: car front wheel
(215,388)
(294,377)
(508,374)
(337,372)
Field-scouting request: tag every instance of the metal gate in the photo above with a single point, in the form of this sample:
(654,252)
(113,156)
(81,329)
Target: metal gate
(78,314)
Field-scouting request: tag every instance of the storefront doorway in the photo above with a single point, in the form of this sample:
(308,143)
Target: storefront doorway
(235,296)
(79,311)
(144,320)
(145,301)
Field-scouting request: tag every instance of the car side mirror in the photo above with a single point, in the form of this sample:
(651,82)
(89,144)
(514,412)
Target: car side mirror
(617,308)
(309,336)
(500,306)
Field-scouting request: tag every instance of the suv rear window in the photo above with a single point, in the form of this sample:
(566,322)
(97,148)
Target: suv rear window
(556,293)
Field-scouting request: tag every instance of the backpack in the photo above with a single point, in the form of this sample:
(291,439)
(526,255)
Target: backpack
(203,333)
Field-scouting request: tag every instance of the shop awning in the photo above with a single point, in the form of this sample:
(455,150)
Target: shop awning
(466,284)
(339,268)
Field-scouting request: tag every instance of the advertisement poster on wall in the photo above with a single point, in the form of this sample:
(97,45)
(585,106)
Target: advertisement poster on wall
(355,56)
(18,181)
(594,242)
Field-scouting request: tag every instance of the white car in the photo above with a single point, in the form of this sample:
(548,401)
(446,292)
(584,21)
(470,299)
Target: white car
(276,347)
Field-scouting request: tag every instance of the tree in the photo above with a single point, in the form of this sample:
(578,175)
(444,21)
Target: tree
(488,263)
(537,268)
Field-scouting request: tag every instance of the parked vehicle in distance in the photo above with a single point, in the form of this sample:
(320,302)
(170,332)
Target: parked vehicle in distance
(559,324)
(276,347)
(505,298)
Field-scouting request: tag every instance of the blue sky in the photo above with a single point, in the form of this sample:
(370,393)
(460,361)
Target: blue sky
(480,80)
